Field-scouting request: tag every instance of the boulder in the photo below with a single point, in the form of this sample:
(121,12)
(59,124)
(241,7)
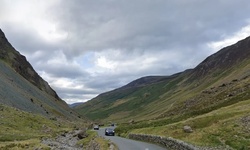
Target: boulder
(187,129)
(82,134)
(131,121)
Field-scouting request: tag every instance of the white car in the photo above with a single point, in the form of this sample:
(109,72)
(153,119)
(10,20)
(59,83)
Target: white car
(96,127)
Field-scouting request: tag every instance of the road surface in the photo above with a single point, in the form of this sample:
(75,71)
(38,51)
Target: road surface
(127,144)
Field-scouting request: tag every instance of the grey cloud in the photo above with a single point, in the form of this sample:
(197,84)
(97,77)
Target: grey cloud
(75,91)
(27,40)
(63,71)
(144,24)
(174,33)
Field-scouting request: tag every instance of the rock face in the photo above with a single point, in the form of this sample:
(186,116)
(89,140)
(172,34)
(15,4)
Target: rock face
(19,63)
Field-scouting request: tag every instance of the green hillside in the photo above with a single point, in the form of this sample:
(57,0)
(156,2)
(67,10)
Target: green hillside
(217,84)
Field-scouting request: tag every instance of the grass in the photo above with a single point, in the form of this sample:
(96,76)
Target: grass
(217,128)
(23,145)
(131,101)
(213,105)
(93,137)
(23,130)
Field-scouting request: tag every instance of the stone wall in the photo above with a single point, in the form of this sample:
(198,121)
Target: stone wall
(167,142)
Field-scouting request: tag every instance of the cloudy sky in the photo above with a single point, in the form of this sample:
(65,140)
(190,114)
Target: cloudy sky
(87,47)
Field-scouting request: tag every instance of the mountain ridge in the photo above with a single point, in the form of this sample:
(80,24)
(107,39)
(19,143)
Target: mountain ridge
(23,88)
(224,58)
(20,64)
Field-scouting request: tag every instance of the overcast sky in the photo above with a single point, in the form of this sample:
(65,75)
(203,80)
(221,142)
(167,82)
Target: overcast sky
(87,47)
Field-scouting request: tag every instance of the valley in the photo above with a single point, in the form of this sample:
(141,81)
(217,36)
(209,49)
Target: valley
(212,99)
(207,106)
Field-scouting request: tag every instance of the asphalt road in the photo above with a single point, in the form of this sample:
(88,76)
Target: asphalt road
(127,144)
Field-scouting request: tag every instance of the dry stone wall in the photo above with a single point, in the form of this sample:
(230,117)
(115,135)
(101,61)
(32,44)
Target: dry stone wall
(167,142)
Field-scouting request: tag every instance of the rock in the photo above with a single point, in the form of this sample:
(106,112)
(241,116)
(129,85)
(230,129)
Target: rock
(82,134)
(187,129)
(64,141)
(131,121)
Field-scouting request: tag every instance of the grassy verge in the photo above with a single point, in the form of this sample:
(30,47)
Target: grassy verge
(23,145)
(93,137)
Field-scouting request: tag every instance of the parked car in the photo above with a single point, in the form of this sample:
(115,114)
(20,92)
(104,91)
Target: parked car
(109,131)
(96,127)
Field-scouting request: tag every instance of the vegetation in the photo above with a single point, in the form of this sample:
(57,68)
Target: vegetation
(23,130)
(93,137)
(213,98)
(225,126)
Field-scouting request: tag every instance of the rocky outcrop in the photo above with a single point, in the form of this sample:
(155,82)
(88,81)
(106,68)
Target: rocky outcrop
(64,141)
(82,134)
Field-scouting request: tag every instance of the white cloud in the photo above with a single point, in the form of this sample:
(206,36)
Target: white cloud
(104,63)
(231,39)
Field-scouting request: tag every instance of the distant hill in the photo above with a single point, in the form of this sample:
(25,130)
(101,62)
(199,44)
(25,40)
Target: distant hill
(21,87)
(220,80)
(74,104)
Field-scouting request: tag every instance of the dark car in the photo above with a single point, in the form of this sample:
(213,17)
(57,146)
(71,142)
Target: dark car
(96,127)
(110,131)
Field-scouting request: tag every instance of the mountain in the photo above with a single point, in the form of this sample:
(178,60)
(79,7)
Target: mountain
(211,99)
(21,87)
(180,93)
(75,104)
(196,90)
(19,63)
